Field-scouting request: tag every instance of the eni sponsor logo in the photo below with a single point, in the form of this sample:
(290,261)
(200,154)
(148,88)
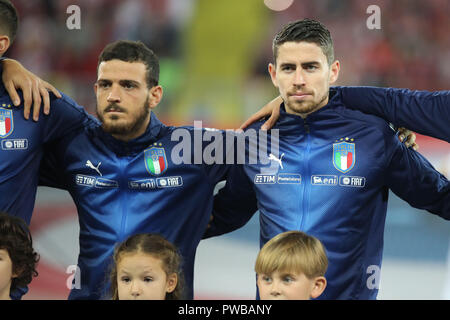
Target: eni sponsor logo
(324,180)
(146,184)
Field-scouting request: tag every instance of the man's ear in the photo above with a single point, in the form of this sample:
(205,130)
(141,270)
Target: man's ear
(319,286)
(273,74)
(172,281)
(334,71)
(155,96)
(4,44)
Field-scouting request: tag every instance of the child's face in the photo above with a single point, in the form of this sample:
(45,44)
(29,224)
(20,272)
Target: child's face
(6,274)
(140,276)
(289,286)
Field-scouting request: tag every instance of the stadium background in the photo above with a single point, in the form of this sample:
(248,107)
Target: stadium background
(214,57)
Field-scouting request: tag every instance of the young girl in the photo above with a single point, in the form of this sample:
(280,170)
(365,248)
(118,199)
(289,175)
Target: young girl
(146,267)
(17,258)
(291,266)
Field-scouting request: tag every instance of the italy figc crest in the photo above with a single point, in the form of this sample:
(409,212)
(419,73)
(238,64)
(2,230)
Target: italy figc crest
(6,122)
(344,156)
(155,160)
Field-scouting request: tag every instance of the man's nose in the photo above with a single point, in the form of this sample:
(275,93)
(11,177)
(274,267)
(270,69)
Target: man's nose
(114,94)
(299,79)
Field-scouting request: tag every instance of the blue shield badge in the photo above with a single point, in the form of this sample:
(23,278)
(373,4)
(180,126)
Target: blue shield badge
(344,156)
(6,122)
(155,161)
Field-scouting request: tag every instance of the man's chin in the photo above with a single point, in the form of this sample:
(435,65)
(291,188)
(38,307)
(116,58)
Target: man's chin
(115,128)
(300,108)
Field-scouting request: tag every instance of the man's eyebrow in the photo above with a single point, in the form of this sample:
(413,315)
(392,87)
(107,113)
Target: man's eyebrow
(128,81)
(308,63)
(287,64)
(122,81)
(104,81)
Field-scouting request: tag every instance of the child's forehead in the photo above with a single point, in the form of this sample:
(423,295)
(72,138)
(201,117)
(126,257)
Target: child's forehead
(139,261)
(283,273)
(138,255)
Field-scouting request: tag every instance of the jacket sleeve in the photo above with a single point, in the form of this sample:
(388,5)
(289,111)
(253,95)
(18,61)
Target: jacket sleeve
(234,204)
(65,117)
(51,172)
(411,177)
(424,112)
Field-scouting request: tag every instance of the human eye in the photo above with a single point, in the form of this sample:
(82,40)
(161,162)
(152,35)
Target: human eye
(148,279)
(287,68)
(266,279)
(103,84)
(288,279)
(129,85)
(125,279)
(311,67)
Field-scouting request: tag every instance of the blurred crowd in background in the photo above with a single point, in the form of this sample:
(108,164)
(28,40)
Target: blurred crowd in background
(214,54)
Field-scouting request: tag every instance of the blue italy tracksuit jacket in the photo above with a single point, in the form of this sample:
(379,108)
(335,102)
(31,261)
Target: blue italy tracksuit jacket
(331,180)
(21,150)
(121,189)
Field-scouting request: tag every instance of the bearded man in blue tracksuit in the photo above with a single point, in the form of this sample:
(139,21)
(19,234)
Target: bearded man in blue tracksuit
(122,176)
(335,165)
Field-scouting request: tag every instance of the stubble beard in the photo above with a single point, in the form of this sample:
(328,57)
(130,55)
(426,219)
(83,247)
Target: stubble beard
(114,126)
(306,107)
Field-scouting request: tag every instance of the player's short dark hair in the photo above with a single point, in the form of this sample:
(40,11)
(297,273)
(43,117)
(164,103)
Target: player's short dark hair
(16,239)
(307,30)
(9,20)
(133,51)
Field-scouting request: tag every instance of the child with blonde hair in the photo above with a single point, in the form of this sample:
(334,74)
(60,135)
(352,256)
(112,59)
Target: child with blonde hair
(291,266)
(146,267)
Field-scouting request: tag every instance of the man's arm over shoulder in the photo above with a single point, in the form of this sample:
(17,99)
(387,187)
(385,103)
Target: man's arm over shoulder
(234,204)
(424,112)
(66,116)
(411,177)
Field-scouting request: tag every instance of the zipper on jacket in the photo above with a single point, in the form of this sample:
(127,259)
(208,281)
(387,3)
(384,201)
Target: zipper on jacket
(306,126)
(306,182)
(124,197)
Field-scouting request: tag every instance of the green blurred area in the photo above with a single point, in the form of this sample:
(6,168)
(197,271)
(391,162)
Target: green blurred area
(219,50)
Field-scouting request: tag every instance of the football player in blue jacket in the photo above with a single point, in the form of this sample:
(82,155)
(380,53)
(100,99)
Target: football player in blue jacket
(335,165)
(22,141)
(122,174)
